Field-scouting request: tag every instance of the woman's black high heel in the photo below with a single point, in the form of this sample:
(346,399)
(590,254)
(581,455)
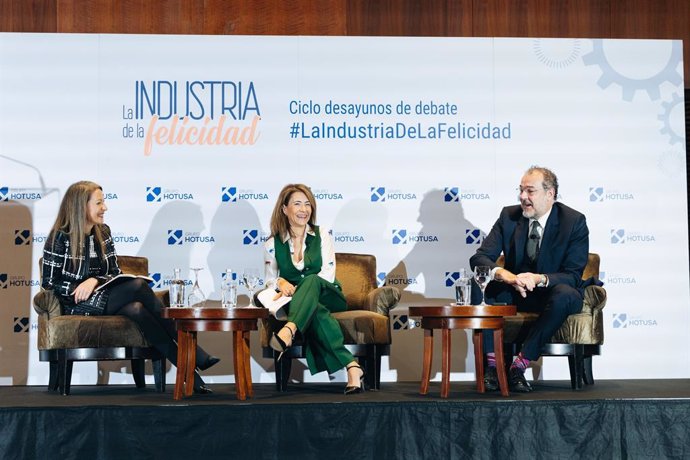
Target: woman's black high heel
(350,390)
(279,345)
(200,387)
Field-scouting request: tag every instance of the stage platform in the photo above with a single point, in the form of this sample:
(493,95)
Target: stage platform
(611,419)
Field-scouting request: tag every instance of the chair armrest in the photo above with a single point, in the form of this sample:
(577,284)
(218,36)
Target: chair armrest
(47,303)
(382,299)
(594,299)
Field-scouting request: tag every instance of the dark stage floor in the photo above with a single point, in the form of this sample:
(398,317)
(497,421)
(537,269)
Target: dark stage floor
(611,419)
(310,393)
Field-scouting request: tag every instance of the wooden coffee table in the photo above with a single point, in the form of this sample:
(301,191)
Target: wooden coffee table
(213,317)
(473,317)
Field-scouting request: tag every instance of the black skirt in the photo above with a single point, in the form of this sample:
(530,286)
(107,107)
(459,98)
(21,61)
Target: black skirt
(93,306)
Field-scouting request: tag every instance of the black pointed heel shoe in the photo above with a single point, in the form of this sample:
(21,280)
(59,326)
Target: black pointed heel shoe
(279,345)
(200,387)
(351,390)
(210,362)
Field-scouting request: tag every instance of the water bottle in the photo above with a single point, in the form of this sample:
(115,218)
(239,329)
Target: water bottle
(463,288)
(228,290)
(176,290)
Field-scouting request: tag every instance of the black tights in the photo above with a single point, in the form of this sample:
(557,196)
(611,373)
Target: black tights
(135,300)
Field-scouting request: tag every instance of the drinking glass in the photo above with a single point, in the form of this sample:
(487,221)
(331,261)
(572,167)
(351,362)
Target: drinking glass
(251,282)
(228,289)
(196,298)
(463,288)
(482,275)
(176,290)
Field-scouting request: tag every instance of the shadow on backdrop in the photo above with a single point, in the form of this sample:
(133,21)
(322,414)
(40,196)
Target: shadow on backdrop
(163,257)
(237,231)
(444,244)
(22,188)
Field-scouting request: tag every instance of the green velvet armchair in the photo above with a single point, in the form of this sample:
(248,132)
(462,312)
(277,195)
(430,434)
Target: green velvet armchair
(63,339)
(365,324)
(579,338)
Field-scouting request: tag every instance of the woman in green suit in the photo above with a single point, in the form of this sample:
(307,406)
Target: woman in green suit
(300,263)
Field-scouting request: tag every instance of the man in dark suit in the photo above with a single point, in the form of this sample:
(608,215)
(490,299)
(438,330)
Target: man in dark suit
(546,245)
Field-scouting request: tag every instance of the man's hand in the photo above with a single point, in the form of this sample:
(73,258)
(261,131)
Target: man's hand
(529,280)
(511,278)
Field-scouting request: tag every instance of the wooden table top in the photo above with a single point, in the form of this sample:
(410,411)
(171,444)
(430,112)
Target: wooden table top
(463,311)
(213,310)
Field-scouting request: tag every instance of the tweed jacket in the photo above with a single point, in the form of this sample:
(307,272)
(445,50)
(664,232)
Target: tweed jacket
(62,273)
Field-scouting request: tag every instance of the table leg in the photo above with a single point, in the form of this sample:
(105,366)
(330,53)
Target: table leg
(500,364)
(247,364)
(191,362)
(445,364)
(478,341)
(238,360)
(428,357)
(181,362)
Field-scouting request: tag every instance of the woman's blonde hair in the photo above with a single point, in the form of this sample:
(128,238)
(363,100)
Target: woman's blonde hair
(71,218)
(280,226)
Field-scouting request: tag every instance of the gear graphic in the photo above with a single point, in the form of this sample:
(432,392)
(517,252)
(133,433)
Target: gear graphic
(551,57)
(631,85)
(666,118)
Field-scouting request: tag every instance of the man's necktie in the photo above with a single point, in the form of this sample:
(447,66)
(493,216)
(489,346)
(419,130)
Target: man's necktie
(533,241)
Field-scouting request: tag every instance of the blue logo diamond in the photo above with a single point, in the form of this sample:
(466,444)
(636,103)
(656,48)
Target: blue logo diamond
(451,194)
(229,194)
(153,194)
(381,279)
(378,194)
(617,236)
(3,281)
(157,282)
(4,193)
(175,237)
(620,320)
(473,236)
(22,237)
(596,194)
(250,237)
(400,236)
(21,324)
(452,278)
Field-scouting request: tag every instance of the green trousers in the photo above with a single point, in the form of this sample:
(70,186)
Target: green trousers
(310,309)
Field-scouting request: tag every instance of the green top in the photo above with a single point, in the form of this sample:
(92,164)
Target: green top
(312,258)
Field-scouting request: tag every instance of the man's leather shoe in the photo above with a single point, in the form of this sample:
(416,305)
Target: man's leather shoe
(210,362)
(490,379)
(517,381)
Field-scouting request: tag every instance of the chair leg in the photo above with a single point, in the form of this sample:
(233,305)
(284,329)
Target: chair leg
(53,380)
(283,368)
(587,375)
(575,362)
(64,373)
(138,372)
(371,364)
(159,374)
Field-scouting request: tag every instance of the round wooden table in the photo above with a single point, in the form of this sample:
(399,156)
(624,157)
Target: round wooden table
(473,317)
(213,317)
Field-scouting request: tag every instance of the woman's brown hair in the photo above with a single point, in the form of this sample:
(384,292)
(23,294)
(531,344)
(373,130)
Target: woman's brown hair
(280,227)
(71,218)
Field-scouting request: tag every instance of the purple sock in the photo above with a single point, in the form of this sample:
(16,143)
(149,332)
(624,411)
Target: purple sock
(491,359)
(520,362)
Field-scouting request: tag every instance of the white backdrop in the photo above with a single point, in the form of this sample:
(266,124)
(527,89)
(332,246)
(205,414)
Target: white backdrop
(412,146)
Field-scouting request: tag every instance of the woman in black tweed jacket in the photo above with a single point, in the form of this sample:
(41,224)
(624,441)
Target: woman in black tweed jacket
(79,255)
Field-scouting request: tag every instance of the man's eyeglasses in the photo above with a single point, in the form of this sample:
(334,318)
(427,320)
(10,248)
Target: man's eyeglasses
(530,191)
